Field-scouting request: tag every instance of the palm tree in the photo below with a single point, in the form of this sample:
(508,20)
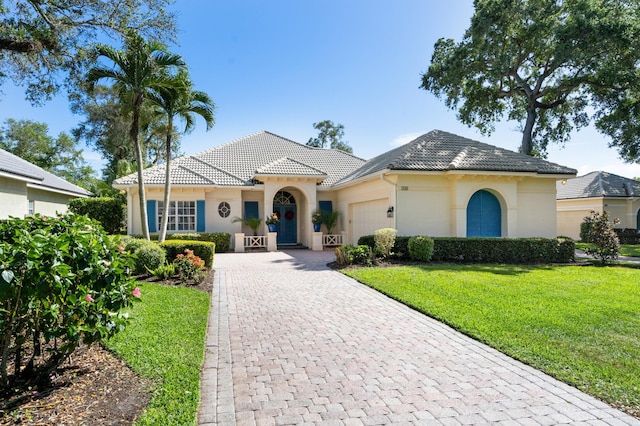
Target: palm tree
(142,67)
(179,101)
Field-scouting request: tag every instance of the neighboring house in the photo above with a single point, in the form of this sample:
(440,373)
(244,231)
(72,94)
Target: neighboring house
(599,192)
(439,184)
(28,189)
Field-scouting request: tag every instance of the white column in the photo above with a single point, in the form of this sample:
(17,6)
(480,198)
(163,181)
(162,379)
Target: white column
(272,241)
(239,242)
(316,242)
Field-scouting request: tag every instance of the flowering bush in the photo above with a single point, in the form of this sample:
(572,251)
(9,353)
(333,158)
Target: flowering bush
(189,266)
(600,233)
(272,220)
(63,282)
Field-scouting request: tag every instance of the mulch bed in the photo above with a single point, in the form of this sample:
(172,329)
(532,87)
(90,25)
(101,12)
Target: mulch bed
(93,387)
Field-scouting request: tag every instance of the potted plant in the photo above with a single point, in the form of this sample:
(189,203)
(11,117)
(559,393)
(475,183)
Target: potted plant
(316,219)
(272,221)
(330,220)
(251,222)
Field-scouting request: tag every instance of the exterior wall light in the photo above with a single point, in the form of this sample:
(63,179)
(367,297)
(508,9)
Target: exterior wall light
(390,211)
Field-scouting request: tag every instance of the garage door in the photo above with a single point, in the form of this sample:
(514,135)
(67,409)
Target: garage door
(368,217)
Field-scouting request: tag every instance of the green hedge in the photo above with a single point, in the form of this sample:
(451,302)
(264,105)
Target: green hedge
(628,235)
(490,250)
(203,249)
(221,239)
(108,211)
(504,250)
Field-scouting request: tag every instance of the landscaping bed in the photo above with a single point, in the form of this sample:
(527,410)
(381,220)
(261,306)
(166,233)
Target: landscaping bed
(95,386)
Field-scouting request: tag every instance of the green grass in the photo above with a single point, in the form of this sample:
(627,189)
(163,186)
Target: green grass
(580,324)
(632,250)
(164,342)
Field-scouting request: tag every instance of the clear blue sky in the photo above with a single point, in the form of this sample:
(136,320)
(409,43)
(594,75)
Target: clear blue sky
(283,65)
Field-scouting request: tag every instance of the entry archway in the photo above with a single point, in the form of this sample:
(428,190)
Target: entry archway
(285,207)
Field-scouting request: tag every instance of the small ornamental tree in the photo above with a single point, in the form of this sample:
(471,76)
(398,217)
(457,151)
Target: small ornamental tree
(600,233)
(63,282)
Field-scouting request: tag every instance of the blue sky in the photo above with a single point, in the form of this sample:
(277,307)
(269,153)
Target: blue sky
(283,65)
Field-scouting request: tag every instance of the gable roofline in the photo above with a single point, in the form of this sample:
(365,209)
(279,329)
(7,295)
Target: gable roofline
(441,151)
(14,167)
(598,184)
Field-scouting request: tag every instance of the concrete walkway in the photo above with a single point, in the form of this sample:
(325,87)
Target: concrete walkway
(292,342)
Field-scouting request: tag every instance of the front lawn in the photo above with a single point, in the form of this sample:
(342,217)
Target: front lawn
(580,324)
(164,342)
(632,250)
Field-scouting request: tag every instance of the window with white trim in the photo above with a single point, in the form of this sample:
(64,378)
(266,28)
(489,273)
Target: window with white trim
(31,207)
(182,215)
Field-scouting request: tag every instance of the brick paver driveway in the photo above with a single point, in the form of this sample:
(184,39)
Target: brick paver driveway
(292,342)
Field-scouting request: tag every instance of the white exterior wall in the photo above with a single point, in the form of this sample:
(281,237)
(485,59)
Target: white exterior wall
(436,204)
(15,196)
(48,203)
(537,216)
(14,202)
(373,190)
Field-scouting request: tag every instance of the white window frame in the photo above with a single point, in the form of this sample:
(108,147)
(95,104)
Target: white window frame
(31,207)
(182,216)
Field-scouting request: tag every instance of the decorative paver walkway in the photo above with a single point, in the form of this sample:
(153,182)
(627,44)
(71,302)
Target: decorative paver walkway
(293,342)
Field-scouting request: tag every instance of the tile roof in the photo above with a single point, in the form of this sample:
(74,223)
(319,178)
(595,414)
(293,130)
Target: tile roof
(287,166)
(237,162)
(598,184)
(18,167)
(443,151)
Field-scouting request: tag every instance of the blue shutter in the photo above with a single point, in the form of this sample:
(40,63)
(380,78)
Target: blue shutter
(325,206)
(152,217)
(251,209)
(200,217)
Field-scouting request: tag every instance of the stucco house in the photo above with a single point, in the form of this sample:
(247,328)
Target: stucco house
(597,191)
(440,184)
(28,189)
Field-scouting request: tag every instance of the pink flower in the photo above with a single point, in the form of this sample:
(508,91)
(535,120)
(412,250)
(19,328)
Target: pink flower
(136,292)
(89,298)
(106,263)
(121,248)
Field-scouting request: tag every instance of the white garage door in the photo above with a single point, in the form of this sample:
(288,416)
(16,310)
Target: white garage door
(368,217)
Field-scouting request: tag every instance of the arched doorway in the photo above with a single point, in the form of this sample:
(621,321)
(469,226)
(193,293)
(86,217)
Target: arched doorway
(284,205)
(484,215)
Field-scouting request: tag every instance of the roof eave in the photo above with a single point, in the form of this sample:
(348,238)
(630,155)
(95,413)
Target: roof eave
(58,190)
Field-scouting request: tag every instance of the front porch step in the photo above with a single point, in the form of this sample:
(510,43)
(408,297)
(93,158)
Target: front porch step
(292,247)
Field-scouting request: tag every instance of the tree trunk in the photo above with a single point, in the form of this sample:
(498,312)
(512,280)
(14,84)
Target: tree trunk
(167,182)
(527,134)
(135,127)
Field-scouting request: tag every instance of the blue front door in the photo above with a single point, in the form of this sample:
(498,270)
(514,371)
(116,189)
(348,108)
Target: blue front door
(287,228)
(484,216)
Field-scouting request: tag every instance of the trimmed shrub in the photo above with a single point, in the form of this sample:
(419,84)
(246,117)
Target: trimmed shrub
(628,235)
(63,281)
(221,239)
(367,240)
(503,250)
(384,240)
(110,212)
(401,248)
(149,257)
(421,248)
(203,249)
(354,255)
